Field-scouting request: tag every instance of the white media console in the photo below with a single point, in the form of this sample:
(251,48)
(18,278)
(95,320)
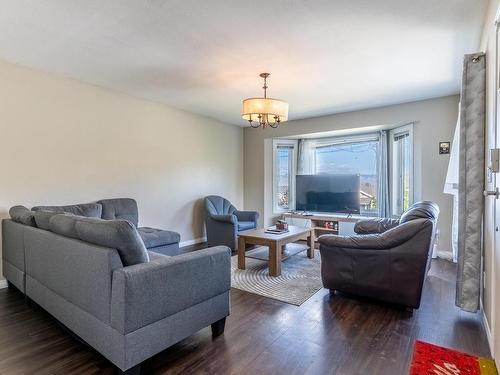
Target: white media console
(343,224)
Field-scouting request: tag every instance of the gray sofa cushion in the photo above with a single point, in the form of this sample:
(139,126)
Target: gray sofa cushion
(42,218)
(120,208)
(22,215)
(65,224)
(153,237)
(117,234)
(83,209)
(245,225)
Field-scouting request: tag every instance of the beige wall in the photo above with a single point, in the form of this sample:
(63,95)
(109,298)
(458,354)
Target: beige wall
(435,121)
(63,141)
(491,259)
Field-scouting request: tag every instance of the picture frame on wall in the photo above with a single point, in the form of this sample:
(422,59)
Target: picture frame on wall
(444,148)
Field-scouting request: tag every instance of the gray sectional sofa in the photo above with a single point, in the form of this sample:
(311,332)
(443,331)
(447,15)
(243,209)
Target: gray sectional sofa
(89,267)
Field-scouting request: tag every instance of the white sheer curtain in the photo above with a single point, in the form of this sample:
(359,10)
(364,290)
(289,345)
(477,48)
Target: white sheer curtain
(305,156)
(451,187)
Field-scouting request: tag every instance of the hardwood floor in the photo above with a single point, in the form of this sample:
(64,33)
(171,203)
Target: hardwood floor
(328,334)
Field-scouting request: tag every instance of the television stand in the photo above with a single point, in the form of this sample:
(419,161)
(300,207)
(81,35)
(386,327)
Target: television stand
(320,221)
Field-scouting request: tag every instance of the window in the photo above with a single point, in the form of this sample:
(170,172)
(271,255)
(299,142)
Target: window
(284,175)
(354,155)
(386,175)
(401,163)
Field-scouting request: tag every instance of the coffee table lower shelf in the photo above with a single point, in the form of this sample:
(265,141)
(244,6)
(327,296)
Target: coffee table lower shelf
(289,250)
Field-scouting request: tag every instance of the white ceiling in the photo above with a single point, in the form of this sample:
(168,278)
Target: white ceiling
(204,56)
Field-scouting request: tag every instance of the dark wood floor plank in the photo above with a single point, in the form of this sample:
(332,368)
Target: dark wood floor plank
(328,334)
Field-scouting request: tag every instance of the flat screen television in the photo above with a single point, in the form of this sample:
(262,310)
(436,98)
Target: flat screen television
(328,193)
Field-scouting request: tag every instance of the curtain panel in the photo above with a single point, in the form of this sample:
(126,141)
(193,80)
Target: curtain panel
(471,182)
(384,209)
(305,156)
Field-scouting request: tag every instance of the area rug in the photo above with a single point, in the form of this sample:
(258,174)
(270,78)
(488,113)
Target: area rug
(300,278)
(436,360)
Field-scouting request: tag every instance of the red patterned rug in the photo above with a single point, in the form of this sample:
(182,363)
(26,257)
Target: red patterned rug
(431,359)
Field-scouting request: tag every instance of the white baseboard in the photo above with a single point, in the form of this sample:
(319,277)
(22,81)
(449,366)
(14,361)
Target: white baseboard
(3,284)
(194,241)
(487,329)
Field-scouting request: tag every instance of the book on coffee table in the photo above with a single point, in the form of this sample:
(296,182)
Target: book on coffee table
(276,231)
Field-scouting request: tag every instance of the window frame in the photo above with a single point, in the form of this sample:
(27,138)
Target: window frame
(292,144)
(408,128)
(325,142)
(350,139)
(345,140)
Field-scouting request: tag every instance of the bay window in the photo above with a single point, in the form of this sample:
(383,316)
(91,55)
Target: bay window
(383,160)
(352,155)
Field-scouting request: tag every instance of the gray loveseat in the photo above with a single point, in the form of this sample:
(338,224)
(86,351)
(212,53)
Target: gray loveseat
(98,279)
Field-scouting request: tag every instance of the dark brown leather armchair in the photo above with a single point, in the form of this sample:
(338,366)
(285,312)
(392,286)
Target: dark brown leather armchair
(387,260)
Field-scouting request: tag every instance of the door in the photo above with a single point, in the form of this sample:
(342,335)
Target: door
(491,257)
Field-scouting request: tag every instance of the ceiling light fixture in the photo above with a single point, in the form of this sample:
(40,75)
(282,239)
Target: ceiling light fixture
(260,112)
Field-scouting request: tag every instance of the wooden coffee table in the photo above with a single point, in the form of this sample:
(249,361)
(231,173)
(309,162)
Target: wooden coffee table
(275,243)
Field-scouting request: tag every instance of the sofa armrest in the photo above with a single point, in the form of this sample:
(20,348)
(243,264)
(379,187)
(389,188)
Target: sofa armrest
(225,218)
(386,240)
(145,293)
(247,216)
(378,225)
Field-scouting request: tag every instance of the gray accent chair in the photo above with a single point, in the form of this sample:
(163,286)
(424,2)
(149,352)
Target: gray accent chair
(223,222)
(387,260)
(96,277)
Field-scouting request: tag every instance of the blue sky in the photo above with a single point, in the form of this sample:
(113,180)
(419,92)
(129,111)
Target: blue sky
(348,159)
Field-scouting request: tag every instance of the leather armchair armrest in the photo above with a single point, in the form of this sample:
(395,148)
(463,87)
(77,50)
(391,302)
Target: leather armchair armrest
(387,240)
(247,215)
(225,218)
(378,225)
(367,241)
